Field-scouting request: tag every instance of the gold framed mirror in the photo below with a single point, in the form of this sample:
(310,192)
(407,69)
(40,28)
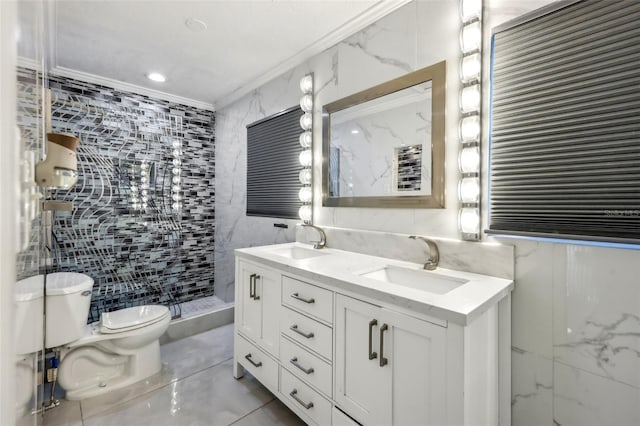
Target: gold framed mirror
(384,146)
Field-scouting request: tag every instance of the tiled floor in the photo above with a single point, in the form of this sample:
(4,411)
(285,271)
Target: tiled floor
(195,387)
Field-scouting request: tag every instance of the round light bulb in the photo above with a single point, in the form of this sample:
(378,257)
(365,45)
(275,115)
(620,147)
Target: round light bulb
(470,128)
(306,102)
(305,176)
(135,206)
(306,121)
(469,221)
(144,185)
(470,9)
(306,139)
(306,83)
(144,192)
(470,37)
(175,179)
(469,190)
(175,170)
(470,67)
(305,194)
(177,153)
(176,197)
(175,188)
(144,179)
(470,98)
(305,158)
(469,160)
(144,199)
(176,143)
(305,213)
(134,188)
(144,166)
(176,206)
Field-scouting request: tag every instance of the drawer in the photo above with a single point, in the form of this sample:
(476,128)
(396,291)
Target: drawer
(306,400)
(312,300)
(306,331)
(256,362)
(306,366)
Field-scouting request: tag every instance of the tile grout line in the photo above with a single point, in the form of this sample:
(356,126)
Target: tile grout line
(154,390)
(253,411)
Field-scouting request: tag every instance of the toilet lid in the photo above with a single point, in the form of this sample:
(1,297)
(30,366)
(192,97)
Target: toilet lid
(132,318)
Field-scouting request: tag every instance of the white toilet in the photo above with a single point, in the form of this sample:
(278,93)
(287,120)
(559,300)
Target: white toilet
(120,349)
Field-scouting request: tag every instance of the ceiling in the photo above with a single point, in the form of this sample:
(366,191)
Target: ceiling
(245,43)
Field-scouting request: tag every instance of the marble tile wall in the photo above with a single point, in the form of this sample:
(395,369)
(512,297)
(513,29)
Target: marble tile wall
(575,309)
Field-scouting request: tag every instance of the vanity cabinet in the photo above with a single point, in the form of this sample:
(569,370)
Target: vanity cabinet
(258,305)
(390,367)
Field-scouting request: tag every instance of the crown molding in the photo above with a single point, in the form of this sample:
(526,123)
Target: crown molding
(128,87)
(366,18)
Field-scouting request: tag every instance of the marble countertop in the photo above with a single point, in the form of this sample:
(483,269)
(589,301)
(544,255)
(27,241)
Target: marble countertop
(344,270)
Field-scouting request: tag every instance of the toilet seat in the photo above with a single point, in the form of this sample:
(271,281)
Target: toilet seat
(132,318)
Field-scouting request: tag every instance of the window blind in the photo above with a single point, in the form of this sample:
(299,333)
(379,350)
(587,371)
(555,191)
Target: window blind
(272,165)
(565,124)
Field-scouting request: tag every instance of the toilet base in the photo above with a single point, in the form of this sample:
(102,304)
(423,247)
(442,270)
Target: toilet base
(93,370)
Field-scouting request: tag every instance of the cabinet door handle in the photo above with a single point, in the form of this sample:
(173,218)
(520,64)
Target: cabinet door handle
(255,364)
(296,296)
(252,285)
(294,361)
(372,323)
(294,395)
(383,360)
(255,288)
(294,327)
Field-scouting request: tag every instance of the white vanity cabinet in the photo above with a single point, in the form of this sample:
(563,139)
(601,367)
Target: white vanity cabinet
(258,305)
(390,367)
(339,354)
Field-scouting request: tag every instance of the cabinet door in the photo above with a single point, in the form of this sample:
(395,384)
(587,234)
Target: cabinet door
(250,318)
(416,355)
(268,290)
(363,388)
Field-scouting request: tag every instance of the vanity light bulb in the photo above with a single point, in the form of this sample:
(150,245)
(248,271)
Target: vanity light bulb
(306,83)
(144,200)
(135,206)
(176,206)
(305,158)
(144,179)
(176,162)
(144,185)
(175,188)
(470,68)
(305,176)
(469,190)
(470,9)
(144,192)
(305,194)
(305,213)
(470,98)
(306,121)
(469,221)
(306,102)
(471,37)
(470,128)
(176,143)
(144,166)
(469,160)
(177,153)
(306,139)
(176,197)
(175,179)
(175,170)
(134,188)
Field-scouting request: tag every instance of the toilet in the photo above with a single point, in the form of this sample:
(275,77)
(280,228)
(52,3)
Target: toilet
(120,349)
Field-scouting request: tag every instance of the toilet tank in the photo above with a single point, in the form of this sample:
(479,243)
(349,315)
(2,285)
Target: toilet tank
(68,301)
(29,297)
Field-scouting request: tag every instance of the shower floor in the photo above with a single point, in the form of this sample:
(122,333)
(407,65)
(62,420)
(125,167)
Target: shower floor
(203,305)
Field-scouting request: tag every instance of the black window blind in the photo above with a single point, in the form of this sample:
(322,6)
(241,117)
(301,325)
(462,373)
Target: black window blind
(565,128)
(273,166)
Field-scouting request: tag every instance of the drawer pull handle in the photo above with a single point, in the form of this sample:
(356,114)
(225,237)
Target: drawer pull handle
(372,323)
(383,360)
(255,364)
(294,395)
(294,327)
(294,361)
(296,296)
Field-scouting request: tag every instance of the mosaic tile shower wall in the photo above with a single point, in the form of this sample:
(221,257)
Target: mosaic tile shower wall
(142,225)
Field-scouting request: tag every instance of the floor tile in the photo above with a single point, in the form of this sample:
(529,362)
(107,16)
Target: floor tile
(180,359)
(68,413)
(274,413)
(210,397)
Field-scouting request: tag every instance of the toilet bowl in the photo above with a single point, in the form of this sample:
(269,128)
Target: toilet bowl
(120,349)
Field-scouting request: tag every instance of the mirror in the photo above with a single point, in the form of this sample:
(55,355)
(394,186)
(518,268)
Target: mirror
(384,146)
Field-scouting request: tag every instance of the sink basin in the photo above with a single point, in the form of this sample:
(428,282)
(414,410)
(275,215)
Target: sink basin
(416,278)
(299,253)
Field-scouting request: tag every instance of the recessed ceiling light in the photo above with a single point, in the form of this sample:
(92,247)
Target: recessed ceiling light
(195,25)
(155,76)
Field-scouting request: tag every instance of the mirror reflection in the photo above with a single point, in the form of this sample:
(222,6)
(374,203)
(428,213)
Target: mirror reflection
(384,146)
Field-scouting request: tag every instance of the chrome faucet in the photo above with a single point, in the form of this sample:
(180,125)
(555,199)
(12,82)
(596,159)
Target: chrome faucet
(434,254)
(323,237)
